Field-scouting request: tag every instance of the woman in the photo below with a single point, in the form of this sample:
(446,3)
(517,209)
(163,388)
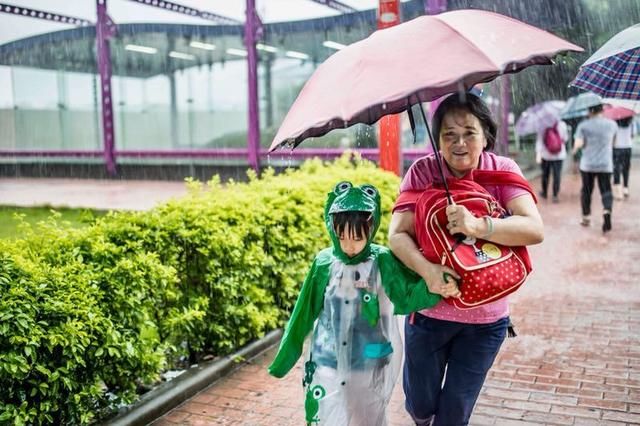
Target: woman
(551,162)
(622,158)
(443,339)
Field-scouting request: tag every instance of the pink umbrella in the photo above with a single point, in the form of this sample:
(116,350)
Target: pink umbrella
(538,117)
(617,112)
(417,61)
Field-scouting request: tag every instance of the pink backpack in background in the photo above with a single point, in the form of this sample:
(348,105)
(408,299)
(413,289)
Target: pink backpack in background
(552,140)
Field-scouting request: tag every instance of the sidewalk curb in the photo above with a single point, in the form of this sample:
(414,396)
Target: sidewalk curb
(169,395)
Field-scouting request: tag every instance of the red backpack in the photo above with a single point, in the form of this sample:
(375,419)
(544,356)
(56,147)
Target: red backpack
(552,140)
(488,270)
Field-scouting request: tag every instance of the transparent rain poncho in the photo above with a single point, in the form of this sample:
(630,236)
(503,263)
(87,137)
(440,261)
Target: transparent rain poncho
(346,308)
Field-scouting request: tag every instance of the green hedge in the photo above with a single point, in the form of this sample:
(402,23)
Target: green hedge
(89,317)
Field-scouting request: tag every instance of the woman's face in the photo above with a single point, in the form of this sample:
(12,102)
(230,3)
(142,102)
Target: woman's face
(462,141)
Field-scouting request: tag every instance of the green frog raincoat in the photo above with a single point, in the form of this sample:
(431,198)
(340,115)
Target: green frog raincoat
(346,307)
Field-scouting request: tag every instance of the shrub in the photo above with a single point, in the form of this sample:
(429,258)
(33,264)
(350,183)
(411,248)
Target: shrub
(89,316)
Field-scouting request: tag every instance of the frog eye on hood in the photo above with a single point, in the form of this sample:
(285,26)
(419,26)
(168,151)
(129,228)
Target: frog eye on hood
(318,392)
(370,190)
(342,187)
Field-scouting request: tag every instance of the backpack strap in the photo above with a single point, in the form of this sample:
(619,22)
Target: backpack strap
(502,177)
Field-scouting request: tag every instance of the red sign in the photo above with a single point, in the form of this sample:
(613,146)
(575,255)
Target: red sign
(388,13)
(389,125)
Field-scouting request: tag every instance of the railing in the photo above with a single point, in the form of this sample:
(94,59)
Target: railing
(221,153)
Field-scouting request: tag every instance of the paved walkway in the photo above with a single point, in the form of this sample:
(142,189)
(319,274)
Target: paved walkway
(576,360)
(88,193)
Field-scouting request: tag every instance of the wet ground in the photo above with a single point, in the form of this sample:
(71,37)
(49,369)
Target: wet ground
(88,193)
(576,360)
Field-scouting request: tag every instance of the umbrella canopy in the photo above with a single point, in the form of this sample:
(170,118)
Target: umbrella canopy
(577,106)
(617,113)
(614,70)
(538,117)
(626,103)
(417,61)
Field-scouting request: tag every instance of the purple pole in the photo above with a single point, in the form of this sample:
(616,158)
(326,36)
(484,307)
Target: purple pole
(433,7)
(505,107)
(104,31)
(251,27)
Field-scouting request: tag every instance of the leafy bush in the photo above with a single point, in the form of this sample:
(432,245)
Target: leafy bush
(88,316)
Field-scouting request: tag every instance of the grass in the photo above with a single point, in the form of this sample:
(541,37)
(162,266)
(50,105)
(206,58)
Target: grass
(9,224)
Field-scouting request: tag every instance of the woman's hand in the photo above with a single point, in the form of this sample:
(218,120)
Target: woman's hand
(442,280)
(461,221)
(402,243)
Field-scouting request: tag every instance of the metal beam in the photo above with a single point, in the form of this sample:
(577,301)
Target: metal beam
(28,12)
(252,32)
(105,29)
(190,11)
(337,5)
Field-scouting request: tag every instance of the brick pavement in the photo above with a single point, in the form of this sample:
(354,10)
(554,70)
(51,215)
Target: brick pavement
(88,193)
(576,360)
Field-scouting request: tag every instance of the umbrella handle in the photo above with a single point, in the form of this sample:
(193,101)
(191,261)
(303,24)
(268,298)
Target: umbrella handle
(436,152)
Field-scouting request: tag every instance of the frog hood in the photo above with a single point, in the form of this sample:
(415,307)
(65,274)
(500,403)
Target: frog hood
(348,198)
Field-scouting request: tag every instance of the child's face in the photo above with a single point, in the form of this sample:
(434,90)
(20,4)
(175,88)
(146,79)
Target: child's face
(350,244)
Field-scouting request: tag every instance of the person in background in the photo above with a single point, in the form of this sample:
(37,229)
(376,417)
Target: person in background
(552,162)
(595,136)
(622,158)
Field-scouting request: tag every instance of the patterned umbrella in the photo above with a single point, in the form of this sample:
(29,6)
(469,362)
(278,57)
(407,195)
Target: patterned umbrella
(538,117)
(614,70)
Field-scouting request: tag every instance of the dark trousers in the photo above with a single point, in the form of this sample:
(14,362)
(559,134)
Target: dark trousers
(604,184)
(621,165)
(461,354)
(549,167)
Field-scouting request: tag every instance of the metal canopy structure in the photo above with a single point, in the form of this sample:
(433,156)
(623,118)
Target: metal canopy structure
(74,49)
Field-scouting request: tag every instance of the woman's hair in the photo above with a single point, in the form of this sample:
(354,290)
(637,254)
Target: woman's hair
(359,223)
(624,122)
(471,103)
(595,109)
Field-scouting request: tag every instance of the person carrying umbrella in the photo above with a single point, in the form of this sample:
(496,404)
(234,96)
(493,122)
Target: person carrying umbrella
(622,157)
(595,136)
(551,155)
(448,351)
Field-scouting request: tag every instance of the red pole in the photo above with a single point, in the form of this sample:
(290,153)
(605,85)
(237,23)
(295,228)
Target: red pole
(389,125)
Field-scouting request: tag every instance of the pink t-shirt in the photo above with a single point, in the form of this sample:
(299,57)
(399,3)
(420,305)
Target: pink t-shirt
(424,171)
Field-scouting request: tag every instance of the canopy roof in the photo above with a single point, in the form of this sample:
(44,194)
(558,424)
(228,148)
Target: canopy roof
(74,49)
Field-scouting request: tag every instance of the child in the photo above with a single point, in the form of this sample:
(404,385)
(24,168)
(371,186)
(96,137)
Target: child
(355,350)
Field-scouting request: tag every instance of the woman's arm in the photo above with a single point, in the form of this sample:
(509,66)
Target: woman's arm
(577,144)
(403,245)
(524,227)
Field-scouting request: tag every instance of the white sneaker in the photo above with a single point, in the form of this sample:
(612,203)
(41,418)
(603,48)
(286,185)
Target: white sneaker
(617,192)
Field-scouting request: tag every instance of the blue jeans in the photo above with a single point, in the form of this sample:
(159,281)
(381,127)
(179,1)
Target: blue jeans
(461,354)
